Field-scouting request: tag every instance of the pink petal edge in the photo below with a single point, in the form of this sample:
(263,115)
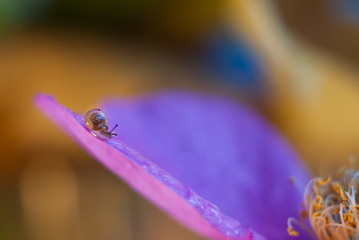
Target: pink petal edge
(166,192)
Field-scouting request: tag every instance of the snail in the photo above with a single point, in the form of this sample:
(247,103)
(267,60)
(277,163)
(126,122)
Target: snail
(97,121)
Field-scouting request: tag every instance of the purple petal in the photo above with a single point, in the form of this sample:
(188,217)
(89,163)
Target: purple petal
(221,150)
(172,196)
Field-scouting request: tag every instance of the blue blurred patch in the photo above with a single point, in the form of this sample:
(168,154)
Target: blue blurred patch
(347,10)
(232,60)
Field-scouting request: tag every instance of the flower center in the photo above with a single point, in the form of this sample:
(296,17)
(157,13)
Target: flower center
(332,205)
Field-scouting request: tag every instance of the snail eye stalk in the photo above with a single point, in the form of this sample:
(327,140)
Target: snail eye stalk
(111,132)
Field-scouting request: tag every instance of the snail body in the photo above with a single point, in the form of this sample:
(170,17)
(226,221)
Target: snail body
(97,121)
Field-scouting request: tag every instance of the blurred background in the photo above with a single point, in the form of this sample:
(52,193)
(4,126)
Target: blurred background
(294,61)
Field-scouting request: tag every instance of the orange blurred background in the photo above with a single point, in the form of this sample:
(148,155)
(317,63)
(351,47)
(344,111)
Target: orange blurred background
(296,62)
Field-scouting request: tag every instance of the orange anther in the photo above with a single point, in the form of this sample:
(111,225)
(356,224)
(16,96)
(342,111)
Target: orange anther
(292,232)
(323,181)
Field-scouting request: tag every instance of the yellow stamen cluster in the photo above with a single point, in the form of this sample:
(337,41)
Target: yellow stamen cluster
(332,205)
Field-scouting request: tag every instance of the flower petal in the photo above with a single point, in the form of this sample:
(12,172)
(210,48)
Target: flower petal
(149,180)
(221,150)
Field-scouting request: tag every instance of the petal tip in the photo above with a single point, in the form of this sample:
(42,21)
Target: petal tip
(40,97)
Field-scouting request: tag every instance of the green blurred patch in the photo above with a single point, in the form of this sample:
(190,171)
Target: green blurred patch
(14,13)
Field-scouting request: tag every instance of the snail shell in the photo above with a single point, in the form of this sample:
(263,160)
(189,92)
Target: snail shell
(97,121)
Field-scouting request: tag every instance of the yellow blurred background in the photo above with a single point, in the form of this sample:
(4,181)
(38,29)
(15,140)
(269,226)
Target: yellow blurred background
(296,62)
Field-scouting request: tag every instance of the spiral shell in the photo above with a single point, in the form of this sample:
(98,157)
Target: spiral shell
(97,121)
